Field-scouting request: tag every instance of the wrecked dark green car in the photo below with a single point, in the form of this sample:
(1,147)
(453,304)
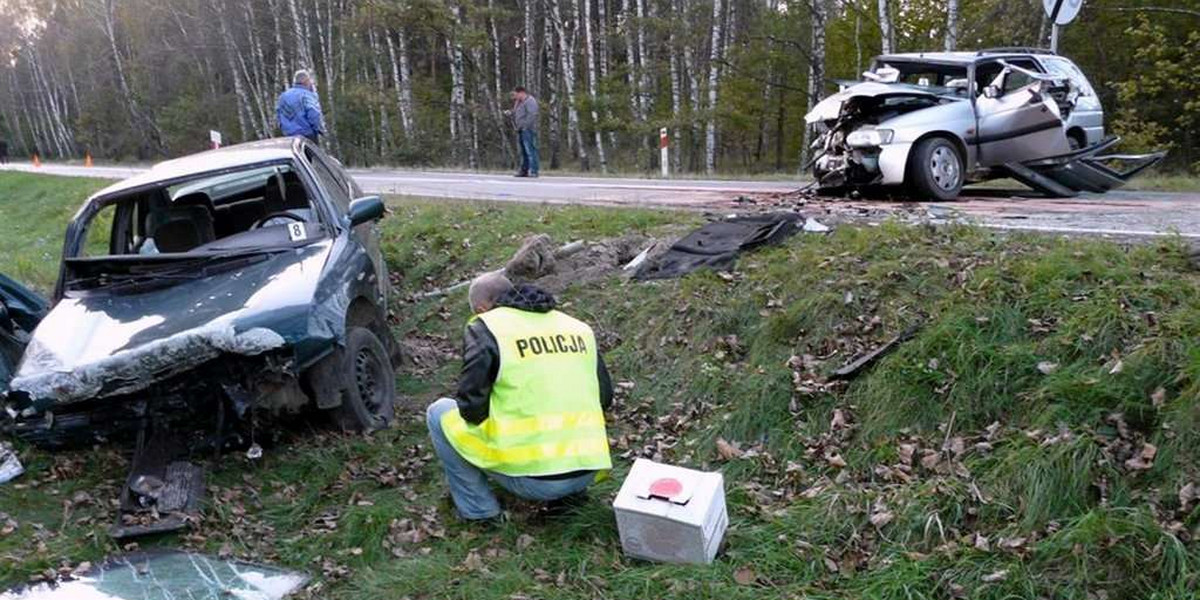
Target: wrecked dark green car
(207,292)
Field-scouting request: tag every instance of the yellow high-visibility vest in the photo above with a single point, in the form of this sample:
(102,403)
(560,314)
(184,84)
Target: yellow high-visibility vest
(544,415)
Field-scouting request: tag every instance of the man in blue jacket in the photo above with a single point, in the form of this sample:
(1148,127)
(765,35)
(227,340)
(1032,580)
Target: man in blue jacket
(299,109)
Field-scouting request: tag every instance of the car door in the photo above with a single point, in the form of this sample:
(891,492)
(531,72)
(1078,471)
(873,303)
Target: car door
(341,186)
(1016,121)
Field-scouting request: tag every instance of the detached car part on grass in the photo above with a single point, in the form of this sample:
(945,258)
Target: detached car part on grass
(196,300)
(933,122)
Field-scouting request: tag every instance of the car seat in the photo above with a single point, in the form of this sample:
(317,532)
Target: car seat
(184,225)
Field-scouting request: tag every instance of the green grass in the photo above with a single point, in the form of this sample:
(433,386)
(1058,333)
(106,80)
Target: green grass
(1041,475)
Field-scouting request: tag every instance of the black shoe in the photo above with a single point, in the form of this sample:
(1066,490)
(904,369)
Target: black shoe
(521,175)
(533,175)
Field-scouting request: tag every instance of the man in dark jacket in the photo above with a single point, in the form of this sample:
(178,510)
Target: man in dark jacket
(3,152)
(530,407)
(525,118)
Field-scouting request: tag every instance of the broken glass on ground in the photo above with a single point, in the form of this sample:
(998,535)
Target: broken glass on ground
(169,575)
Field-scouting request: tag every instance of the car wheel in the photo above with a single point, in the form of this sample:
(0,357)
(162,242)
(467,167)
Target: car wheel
(369,384)
(936,169)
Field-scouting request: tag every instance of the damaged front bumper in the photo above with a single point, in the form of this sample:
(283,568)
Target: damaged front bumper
(853,167)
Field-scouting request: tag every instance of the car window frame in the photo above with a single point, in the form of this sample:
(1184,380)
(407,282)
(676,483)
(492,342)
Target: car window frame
(316,162)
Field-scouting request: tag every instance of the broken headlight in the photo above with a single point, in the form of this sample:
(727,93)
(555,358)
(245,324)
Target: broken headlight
(866,138)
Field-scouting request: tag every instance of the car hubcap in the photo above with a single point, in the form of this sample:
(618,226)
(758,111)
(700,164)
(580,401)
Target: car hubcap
(944,167)
(367,375)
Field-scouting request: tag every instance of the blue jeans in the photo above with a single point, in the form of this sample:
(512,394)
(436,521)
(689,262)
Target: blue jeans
(530,162)
(469,488)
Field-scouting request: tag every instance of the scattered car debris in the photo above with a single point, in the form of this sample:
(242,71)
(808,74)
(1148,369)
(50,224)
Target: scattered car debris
(855,367)
(935,121)
(812,225)
(717,244)
(166,575)
(10,465)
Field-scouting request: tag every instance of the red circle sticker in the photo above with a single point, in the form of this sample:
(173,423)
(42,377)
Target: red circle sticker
(666,487)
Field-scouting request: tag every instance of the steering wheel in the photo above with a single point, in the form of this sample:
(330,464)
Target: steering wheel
(277,215)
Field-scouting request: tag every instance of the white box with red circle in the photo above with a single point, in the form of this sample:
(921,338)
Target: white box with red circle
(671,514)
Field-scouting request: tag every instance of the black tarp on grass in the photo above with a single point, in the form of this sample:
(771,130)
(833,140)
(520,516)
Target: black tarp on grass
(717,244)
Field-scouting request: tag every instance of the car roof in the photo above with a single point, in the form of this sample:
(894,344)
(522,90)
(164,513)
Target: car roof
(229,157)
(960,57)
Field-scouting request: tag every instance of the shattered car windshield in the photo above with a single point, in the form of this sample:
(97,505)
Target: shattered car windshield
(255,207)
(193,224)
(939,78)
(169,575)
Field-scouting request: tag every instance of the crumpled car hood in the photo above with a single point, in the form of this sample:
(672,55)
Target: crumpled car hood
(830,108)
(102,344)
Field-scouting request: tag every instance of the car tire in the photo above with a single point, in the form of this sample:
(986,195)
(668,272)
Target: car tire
(369,384)
(935,169)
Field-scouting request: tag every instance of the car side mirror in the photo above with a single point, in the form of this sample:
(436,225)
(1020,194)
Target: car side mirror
(991,91)
(365,209)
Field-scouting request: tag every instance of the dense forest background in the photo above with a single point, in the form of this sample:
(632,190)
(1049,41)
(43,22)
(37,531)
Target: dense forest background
(423,82)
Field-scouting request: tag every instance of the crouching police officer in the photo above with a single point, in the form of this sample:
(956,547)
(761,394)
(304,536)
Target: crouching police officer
(530,408)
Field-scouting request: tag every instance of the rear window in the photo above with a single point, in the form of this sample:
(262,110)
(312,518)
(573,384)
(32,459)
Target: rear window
(1066,68)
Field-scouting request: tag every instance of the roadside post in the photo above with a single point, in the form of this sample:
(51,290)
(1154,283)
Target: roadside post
(663,142)
(215,138)
(1060,12)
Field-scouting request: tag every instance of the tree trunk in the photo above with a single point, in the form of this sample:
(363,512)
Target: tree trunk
(885,28)
(454,52)
(402,79)
(230,49)
(694,107)
(816,68)
(951,25)
(714,80)
(385,126)
(529,49)
(300,35)
(631,78)
(589,52)
(566,53)
(553,81)
(151,134)
(676,94)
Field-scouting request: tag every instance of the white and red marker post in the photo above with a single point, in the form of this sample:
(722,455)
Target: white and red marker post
(663,143)
(214,138)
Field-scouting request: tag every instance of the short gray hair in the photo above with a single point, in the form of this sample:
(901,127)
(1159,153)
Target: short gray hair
(486,289)
(301,77)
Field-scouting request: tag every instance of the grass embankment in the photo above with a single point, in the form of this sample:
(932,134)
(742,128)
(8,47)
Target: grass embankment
(1032,440)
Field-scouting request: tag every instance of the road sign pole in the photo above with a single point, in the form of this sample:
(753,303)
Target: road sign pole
(663,143)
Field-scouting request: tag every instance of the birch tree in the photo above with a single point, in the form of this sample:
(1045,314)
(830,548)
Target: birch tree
(951,25)
(566,53)
(590,57)
(818,14)
(454,52)
(885,27)
(714,77)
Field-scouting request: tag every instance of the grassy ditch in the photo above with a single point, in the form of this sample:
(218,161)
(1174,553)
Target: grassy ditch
(1035,438)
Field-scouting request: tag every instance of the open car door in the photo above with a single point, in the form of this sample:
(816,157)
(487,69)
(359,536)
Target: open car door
(1018,118)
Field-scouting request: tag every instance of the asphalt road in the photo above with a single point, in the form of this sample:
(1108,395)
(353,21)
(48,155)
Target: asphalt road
(1120,214)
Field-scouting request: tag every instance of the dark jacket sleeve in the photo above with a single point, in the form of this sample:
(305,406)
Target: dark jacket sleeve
(481,364)
(606,388)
